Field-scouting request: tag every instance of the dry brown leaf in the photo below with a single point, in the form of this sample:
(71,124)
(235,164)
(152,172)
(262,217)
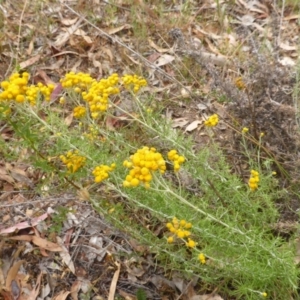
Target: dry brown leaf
(157,48)
(287,47)
(117,29)
(64,36)
(205,33)
(35,292)
(287,61)
(12,273)
(30,61)
(164,60)
(26,238)
(7,178)
(68,120)
(133,270)
(45,78)
(114,281)
(75,289)
(193,125)
(218,60)
(96,63)
(186,92)
(69,22)
(23,225)
(62,295)
(108,52)
(126,295)
(180,122)
(46,244)
(83,34)
(292,17)
(65,256)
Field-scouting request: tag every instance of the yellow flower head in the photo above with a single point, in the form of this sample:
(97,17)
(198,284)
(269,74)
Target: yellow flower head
(79,112)
(191,243)
(253,180)
(212,121)
(170,239)
(102,172)
(201,258)
(264,294)
(133,82)
(245,130)
(240,83)
(73,161)
(180,230)
(98,94)
(176,158)
(142,165)
(14,89)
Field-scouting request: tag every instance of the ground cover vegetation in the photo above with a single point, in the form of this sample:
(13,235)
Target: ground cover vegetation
(164,136)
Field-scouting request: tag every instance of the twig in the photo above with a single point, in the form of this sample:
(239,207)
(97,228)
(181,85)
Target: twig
(20,26)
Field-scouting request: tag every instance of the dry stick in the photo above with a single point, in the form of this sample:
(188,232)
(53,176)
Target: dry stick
(33,202)
(20,26)
(143,59)
(114,282)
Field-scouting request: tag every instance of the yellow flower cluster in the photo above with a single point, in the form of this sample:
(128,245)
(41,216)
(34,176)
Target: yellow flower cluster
(101,172)
(264,294)
(245,130)
(180,229)
(99,92)
(15,88)
(32,93)
(79,111)
(73,161)
(45,90)
(239,83)
(176,158)
(134,82)
(145,161)
(254,180)
(80,81)
(62,100)
(202,258)
(92,133)
(34,90)
(212,121)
